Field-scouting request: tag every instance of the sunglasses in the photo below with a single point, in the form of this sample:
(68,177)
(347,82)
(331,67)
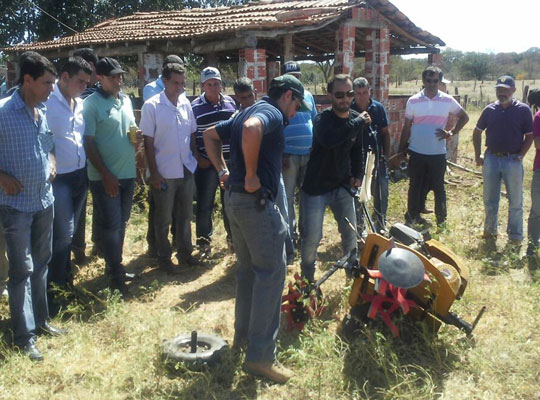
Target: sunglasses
(432,80)
(340,95)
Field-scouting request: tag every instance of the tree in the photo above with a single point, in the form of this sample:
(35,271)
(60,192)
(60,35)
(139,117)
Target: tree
(475,65)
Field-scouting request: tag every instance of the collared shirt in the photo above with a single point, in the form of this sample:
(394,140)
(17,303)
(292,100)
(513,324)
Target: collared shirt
(24,154)
(272,143)
(107,119)
(171,127)
(67,125)
(428,115)
(506,127)
(207,115)
(299,132)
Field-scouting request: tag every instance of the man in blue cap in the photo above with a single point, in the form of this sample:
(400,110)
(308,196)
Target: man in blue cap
(508,125)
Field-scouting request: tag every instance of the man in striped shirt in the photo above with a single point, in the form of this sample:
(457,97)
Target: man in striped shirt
(209,108)
(424,137)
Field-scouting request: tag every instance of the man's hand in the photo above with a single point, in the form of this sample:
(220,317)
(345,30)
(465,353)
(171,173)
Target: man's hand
(223,180)
(252,184)
(52,163)
(442,134)
(479,160)
(110,182)
(366,117)
(203,162)
(355,183)
(156,181)
(9,184)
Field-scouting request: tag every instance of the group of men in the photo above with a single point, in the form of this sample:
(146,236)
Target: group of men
(54,147)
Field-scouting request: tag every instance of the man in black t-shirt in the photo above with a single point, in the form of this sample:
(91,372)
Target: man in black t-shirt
(334,171)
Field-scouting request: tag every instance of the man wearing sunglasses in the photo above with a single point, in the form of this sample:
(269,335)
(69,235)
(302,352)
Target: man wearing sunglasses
(424,137)
(335,167)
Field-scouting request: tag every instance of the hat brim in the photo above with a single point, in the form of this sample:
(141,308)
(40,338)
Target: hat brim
(504,86)
(117,71)
(305,106)
(212,77)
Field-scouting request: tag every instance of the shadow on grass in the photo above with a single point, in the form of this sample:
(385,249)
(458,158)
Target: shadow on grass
(381,367)
(219,290)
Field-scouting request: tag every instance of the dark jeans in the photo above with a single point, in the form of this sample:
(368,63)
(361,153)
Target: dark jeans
(115,212)
(70,192)
(426,171)
(206,182)
(28,238)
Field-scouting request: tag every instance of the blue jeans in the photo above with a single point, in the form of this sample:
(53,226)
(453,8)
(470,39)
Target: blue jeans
(115,212)
(258,234)
(70,192)
(510,170)
(312,209)
(534,216)
(28,238)
(206,182)
(294,169)
(4,266)
(177,200)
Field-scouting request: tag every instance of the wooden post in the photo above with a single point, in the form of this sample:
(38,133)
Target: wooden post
(465,100)
(456,91)
(525,93)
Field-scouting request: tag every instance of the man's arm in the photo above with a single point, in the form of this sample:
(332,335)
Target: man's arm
(214,149)
(109,180)
(405,136)
(52,162)
(155,177)
(477,143)
(252,134)
(527,142)
(386,141)
(463,118)
(201,161)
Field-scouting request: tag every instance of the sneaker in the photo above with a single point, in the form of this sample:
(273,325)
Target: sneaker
(271,370)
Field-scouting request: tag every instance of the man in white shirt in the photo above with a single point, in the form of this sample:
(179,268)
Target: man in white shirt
(64,116)
(167,123)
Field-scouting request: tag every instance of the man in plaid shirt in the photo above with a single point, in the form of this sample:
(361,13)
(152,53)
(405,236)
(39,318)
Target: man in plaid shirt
(27,167)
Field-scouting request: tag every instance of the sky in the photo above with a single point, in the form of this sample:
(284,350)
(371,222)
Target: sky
(478,25)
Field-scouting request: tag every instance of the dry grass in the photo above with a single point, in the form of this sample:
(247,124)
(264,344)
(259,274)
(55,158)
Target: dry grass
(112,351)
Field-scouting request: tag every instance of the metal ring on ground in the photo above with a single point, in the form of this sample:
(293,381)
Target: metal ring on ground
(181,348)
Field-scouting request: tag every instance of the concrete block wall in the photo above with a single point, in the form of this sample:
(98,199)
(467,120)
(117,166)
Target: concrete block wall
(344,63)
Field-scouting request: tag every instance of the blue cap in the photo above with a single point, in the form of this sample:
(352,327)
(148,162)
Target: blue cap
(506,81)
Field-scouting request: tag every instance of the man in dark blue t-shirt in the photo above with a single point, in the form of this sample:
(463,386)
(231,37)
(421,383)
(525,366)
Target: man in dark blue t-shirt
(257,227)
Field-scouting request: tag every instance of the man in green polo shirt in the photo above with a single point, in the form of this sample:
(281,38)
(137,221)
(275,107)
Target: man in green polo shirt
(108,116)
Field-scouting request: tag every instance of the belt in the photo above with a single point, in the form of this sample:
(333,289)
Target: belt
(261,194)
(500,154)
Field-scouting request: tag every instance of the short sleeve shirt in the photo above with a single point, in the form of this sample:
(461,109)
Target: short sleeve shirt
(171,127)
(272,144)
(428,115)
(536,134)
(24,154)
(209,114)
(505,127)
(108,119)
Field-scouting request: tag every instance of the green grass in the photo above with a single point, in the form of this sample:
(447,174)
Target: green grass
(113,349)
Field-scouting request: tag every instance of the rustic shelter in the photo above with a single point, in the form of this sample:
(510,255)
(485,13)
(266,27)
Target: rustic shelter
(260,36)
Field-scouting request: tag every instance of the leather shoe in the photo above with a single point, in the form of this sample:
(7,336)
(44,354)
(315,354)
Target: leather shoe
(32,352)
(188,261)
(48,329)
(268,369)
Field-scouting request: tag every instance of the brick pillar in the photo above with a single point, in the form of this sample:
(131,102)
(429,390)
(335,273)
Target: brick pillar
(148,68)
(345,38)
(252,63)
(378,62)
(287,48)
(435,59)
(11,78)
(273,69)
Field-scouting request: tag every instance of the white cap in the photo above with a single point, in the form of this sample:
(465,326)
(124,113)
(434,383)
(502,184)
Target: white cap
(210,73)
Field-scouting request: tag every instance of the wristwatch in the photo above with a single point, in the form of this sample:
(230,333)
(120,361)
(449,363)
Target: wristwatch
(222,172)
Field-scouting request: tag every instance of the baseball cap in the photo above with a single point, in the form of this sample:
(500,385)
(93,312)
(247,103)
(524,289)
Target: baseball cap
(108,66)
(506,81)
(291,67)
(210,73)
(289,82)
